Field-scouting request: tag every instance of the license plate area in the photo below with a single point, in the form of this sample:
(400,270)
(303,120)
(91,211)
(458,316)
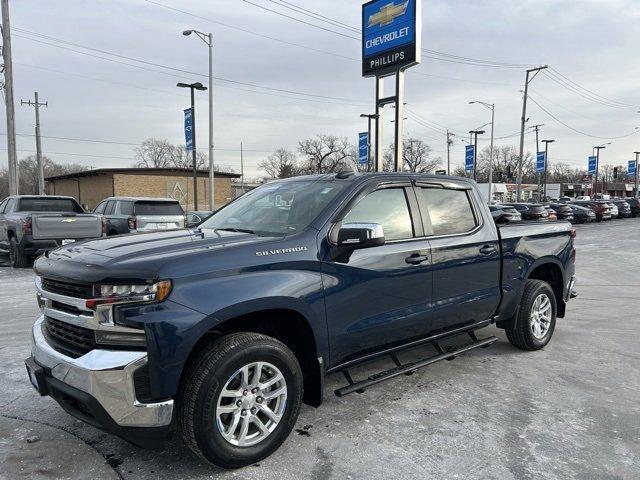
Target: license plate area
(67,241)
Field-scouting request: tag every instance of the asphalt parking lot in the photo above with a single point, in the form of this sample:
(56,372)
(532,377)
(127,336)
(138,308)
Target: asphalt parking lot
(571,411)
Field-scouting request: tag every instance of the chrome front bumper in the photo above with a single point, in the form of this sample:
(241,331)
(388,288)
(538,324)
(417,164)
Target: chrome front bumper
(106,375)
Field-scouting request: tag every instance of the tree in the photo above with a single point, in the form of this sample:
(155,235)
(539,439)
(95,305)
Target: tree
(416,157)
(154,153)
(326,154)
(28,174)
(505,165)
(280,164)
(180,157)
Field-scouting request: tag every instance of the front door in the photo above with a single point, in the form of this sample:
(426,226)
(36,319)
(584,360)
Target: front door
(380,296)
(465,255)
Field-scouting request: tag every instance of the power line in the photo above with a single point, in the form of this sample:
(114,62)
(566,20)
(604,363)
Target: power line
(175,69)
(304,11)
(591,92)
(234,27)
(579,131)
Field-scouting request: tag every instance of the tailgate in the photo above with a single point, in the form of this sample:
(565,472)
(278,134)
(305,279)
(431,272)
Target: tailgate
(58,226)
(159,222)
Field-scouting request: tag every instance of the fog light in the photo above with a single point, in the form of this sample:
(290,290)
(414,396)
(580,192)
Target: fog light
(133,339)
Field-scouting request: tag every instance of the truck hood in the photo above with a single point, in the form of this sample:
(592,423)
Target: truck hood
(137,256)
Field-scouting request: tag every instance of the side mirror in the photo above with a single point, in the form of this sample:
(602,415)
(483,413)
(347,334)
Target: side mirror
(360,235)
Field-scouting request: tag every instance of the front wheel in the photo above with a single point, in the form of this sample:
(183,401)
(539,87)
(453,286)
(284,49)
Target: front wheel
(536,319)
(240,399)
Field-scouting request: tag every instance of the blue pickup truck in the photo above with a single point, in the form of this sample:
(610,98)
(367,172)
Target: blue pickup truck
(223,331)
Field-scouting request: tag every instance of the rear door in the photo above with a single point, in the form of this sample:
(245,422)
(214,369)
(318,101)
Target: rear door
(379,296)
(158,215)
(465,255)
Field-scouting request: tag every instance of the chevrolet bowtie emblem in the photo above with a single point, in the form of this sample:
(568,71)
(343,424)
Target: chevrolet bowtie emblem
(388,14)
(68,220)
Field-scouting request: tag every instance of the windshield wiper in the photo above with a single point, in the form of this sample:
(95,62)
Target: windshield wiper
(230,229)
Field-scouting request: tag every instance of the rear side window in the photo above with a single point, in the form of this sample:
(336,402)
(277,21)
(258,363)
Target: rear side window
(111,204)
(100,208)
(450,211)
(158,208)
(126,208)
(49,205)
(386,207)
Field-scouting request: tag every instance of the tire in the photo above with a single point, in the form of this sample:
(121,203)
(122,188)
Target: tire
(524,334)
(218,366)
(17,257)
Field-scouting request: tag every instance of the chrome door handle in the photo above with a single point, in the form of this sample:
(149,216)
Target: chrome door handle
(487,250)
(416,259)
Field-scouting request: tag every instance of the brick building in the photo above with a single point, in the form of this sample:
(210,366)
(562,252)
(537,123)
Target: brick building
(92,186)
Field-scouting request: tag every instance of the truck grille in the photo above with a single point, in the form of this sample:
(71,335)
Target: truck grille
(67,289)
(68,339)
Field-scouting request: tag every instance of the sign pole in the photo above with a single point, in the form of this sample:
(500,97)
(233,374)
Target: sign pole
(637,159)
(379,165)
(399,165)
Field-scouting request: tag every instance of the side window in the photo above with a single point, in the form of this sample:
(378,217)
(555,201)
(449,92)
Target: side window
(389,208)
(110,207)
(100,208)
(450,211)
(2,205)
(126,208)
(10,204)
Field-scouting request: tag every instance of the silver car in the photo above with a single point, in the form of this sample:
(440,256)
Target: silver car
(129,215)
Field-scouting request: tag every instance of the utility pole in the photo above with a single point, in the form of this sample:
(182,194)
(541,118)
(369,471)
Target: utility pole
(475,134)
(492,107)
(449,143)
(528,80)
(241,169)
(36,104)
(546,163)
(637,159)
(8,90)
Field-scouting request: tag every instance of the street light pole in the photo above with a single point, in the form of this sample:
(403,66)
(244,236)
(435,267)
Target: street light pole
(546,162)
(192,87)
(208,39)
(523,121)
(492,107)
(449,143)
(597,149)
(475,133)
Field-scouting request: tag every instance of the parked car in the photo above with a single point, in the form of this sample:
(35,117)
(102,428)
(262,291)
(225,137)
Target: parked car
(552,213)
(563,211)
(530,211)
(624,209)
(583,198)
(634,203)
(33,224)
(511,214)
(129,215)
(222,334)
(602,211)
(614,209)
(582,214)
(194,219)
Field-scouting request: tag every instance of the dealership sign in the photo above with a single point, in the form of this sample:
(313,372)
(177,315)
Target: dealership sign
(540,161)
(188,129)
(363,149)
(469,154)
(391,32)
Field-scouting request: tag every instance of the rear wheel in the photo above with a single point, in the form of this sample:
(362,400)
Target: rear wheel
(17,257)
(240,399)
(536,319)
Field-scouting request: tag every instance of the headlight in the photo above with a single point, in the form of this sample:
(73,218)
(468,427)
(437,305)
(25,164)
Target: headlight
(112,294)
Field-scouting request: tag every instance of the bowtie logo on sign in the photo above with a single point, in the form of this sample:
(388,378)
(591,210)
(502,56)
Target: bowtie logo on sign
(388,14)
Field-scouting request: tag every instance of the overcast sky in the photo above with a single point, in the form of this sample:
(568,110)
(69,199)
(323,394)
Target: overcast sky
(591,43)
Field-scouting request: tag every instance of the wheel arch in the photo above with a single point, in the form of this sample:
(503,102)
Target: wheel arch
(550,270)
(288,325)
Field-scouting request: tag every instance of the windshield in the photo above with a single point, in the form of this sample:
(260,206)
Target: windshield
(279,208)
(49,205)
(158,208)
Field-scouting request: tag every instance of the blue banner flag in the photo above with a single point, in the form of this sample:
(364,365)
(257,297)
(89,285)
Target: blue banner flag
(188,129)
(592,165)
(631,169)
(540,161)
(363,149)
(469,151)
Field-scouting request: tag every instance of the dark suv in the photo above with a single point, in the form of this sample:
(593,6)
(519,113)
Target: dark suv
(531,211)
(129,215)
